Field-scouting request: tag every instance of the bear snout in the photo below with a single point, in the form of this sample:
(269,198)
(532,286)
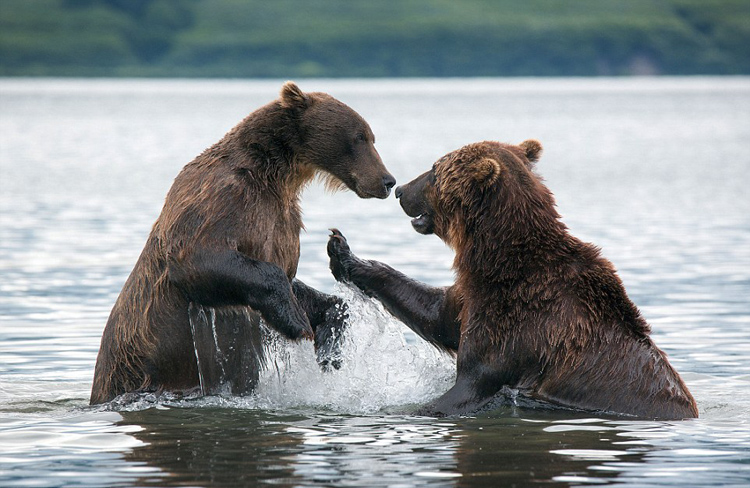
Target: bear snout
(388,182)
(376,186)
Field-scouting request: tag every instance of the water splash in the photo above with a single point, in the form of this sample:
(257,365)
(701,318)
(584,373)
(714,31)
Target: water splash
(219,353)
(384,365)
(191,309)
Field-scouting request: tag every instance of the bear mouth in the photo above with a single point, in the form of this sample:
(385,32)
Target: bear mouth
(423,223)
(380,193)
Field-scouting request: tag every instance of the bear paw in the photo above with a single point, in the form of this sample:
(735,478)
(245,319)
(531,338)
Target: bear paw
(341,256)
(288,318)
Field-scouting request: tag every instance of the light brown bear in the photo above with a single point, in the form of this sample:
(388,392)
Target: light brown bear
(533,308)
(224,252)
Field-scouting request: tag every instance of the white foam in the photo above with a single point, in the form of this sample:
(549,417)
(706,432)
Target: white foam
(384,365)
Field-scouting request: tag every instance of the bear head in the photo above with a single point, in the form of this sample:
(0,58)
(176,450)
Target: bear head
(465,184)
(336,140)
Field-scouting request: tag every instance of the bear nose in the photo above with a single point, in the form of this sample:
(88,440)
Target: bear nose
(399,192)
(389,181)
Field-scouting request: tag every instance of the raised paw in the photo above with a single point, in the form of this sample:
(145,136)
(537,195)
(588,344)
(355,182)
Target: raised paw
(340,254)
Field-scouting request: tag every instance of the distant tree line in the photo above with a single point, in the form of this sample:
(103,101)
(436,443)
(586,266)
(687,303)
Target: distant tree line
(330,38)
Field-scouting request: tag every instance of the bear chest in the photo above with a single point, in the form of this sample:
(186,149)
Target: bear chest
(274,240)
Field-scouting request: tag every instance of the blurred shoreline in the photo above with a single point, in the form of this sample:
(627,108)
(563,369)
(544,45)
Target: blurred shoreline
(388,38)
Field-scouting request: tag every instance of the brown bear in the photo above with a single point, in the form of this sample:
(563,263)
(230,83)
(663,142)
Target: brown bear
(533,308)
(224,253)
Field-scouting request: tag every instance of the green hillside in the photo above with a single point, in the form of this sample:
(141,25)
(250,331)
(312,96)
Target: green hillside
(334,38)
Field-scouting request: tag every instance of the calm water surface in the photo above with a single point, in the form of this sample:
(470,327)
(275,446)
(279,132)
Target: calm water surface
(655,171)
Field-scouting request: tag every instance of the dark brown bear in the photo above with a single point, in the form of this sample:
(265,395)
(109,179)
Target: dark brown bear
(533,308)
(224,252)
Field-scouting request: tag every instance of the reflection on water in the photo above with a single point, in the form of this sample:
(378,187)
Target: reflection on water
(197,443)
(314,449)
(655,171)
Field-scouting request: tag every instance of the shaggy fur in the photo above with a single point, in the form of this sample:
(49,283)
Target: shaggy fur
(533,308)
(225,248)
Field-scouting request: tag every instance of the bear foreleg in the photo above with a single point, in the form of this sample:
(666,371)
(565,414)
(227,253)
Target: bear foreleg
(464,397)
(228,277)
(431,312)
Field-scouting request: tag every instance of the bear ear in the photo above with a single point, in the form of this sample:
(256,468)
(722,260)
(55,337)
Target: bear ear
(292,96)
(532,148)
(486,170)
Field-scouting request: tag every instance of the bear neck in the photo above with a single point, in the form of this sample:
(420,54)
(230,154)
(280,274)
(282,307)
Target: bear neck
(517,234)
(264,148)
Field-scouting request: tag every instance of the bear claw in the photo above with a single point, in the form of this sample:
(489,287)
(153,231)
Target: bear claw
(340,254)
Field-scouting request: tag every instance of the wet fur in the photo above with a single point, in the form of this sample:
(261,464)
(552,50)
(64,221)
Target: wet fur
(533,308)
(228,239)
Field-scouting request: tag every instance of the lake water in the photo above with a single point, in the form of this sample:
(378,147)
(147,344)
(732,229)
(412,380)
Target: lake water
(656,171)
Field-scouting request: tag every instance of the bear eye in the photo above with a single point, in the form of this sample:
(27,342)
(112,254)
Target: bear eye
(361,137)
